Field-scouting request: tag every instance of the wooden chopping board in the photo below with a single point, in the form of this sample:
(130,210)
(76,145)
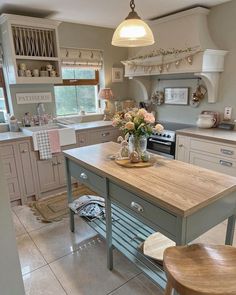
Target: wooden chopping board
(126,163)
(155,245)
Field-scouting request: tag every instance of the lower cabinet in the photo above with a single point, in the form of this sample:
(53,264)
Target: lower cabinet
(51,173)
(208,154)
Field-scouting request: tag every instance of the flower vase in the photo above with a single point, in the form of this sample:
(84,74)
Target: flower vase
(137,144)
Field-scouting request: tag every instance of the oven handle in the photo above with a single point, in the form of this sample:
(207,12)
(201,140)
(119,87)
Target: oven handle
(160,142)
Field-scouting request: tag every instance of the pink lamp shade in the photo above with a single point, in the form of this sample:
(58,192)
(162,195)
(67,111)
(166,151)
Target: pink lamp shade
(105,93)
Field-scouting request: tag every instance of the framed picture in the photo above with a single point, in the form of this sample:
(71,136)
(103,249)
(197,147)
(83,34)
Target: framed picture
(177,96)
(117,75)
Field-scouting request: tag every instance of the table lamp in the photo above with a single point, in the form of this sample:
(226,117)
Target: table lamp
(106,94)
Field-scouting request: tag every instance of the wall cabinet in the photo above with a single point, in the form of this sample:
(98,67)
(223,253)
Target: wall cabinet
(208,154)
(32,42)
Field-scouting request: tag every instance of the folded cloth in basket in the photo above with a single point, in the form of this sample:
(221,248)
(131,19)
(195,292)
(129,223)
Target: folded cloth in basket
(44,147)
(82,201)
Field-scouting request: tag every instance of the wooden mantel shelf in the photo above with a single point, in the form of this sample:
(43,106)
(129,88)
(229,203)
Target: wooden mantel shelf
(178,187)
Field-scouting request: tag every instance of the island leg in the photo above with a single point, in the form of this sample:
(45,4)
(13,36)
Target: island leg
(69,195)
(230,230)
(109,230)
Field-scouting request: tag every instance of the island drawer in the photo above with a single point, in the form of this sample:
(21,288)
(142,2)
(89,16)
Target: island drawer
(88,178)
(213,148)
(143,208)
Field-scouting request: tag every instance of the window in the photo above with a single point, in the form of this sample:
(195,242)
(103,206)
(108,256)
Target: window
(3,97)
(78,92)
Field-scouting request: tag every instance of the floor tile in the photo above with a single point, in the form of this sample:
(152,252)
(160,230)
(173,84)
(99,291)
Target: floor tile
(30,257)
(56,239)
(139,285)
(85,271)
(42,282)
(27,218)
(19,228)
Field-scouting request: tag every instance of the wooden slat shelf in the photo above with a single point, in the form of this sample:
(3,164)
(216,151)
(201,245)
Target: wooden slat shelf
(128,233)
(39,58)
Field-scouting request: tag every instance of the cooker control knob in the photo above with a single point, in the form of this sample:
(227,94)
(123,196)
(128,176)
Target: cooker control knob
(168,136)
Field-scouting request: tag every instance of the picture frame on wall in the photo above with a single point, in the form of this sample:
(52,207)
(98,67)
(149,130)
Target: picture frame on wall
(117,75)
(176,95)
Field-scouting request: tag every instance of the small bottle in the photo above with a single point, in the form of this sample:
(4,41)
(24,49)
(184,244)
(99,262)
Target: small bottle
(27,120)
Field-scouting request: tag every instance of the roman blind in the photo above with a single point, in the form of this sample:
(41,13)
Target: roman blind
(81,58)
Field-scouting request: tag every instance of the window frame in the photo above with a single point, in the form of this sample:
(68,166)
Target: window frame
(3,86)
(82,82)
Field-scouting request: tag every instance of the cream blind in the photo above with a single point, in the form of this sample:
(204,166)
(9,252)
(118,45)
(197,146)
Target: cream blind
(81,58)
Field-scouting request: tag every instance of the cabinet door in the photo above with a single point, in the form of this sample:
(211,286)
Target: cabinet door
(61,170)
(218,164)
(82,139)
(27,168)
(182,148)
(9,167)
(48,174)
(13,188)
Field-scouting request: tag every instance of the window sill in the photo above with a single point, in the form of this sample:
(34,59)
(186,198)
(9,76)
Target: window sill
(72,119)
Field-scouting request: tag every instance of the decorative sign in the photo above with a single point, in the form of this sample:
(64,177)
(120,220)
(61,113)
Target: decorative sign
(25,98)
(178,96)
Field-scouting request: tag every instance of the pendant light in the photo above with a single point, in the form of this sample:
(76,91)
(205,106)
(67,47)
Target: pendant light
(132,32)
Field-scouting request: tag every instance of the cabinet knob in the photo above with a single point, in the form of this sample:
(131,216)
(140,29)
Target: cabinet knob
(181,145)
(105,134)
(24,151)
(83,176)
(136,207)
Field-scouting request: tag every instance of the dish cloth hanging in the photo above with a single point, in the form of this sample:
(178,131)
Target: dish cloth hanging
(44,147)
(54,141)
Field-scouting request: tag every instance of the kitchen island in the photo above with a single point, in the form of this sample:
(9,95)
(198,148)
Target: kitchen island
(179,200)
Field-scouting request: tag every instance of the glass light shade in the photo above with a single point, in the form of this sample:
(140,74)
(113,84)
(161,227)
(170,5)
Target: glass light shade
(132,33)
(105,93)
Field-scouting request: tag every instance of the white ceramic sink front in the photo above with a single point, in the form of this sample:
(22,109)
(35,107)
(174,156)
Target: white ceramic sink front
(66,134)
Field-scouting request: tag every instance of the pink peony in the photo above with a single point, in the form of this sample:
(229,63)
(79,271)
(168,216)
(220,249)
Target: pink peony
(158,128)
(128,117)
(149,118)
(129,126)
(141,113)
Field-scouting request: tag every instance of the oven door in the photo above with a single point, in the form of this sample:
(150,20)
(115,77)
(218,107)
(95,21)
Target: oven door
(165,148)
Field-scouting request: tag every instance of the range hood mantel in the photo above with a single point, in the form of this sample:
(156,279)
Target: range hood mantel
(181,30)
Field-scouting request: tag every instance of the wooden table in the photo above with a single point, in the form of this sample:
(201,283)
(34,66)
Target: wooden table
(179,200)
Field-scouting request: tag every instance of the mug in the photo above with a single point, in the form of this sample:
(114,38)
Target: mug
(22,66)
(28,73)
(36,73)
(49,67)
(21,73)
(53,74)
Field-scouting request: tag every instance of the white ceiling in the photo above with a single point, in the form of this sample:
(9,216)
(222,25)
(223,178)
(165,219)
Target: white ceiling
(105,13)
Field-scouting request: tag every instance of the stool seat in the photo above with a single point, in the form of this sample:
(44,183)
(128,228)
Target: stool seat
(201,269)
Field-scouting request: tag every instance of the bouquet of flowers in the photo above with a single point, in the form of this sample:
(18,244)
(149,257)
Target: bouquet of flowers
(137,125)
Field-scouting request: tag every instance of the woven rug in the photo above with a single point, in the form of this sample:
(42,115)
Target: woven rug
(54,208)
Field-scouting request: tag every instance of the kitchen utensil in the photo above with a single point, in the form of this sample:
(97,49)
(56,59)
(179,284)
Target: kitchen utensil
(206,121)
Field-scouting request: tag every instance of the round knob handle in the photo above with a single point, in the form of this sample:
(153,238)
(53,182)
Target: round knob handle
(24,151)
(83,175)
(181,145)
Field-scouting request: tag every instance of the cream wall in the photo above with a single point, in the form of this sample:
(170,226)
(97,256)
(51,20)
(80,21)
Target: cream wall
(80,36)
(222,28)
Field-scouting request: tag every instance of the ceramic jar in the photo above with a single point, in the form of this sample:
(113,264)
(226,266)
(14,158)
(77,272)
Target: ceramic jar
(206,121)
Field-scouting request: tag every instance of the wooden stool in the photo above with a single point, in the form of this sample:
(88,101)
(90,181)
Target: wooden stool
(201,270)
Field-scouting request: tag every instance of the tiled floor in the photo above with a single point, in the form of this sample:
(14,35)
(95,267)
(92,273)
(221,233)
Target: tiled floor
(55,261)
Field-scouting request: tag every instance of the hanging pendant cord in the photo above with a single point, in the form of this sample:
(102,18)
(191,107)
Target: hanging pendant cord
(132,5)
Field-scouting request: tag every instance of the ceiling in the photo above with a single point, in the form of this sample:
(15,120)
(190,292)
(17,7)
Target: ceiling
(105,13)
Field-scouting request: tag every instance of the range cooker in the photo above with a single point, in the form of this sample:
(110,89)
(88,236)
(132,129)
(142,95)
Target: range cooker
(165,143)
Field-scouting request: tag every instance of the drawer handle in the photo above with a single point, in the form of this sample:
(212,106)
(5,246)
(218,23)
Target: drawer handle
(181,145)
(24,151)
(136,207)
(227,152)
(83,175)
(226,163)
(105,134)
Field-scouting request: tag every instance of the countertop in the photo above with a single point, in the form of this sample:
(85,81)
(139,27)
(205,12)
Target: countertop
(90,125)
(225,136)
(176,186)
(12,136)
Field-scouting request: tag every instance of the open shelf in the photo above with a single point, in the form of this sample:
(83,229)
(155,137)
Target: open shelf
(40,58)
(127,235)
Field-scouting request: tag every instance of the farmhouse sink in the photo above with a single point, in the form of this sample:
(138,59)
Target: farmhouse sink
(66,134)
